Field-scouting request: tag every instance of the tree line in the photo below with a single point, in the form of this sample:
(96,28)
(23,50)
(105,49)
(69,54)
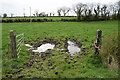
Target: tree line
(86,11)
(93,11)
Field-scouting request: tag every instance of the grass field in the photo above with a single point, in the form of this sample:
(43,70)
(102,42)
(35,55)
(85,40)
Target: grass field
(84,32)
(58,30)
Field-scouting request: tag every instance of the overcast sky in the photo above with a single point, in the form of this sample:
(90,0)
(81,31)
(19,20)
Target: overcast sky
(17,7)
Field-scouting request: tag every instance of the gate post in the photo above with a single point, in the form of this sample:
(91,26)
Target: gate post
(13,44)
(97,43)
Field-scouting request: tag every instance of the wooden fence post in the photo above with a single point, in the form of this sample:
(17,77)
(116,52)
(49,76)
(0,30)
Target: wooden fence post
(97,43)
(13,44)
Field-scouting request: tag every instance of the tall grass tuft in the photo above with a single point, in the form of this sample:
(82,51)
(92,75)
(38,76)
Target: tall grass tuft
(109,51)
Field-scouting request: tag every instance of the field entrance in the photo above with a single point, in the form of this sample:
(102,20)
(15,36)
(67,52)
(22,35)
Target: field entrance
(56,62)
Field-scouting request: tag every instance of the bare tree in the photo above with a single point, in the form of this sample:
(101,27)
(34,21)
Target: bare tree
(111,8)
(88,11)
(114,10)
(59,12)
(104,12)
(97,11)
(78,9)
(34,15)
(36,12)
(43,14)
(52,13)
(65,10)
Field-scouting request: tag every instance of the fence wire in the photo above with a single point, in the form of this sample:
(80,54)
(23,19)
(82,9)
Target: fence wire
(19,42)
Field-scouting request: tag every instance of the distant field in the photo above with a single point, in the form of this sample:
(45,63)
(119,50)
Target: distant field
(54,18)
(84,32)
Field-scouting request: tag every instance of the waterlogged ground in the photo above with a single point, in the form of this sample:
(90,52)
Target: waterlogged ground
(51,63)
(57,62)
(70,46)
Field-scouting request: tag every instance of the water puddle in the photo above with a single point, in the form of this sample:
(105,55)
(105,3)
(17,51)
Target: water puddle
(44,47)
(72,48)
(28,45)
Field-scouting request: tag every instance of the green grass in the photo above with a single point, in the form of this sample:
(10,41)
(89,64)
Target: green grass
(85,32)
(53,18)
(59,30)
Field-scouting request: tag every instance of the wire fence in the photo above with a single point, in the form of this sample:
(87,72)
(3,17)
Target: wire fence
(19,42)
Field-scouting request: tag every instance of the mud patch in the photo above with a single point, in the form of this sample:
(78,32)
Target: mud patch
(46,44)
(58,53)
(64,45)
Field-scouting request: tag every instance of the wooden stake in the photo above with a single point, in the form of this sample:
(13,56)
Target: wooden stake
(13,44)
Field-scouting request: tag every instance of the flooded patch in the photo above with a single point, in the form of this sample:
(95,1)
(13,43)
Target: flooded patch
(66,45)
(44,47)
(28,45)
(73,48)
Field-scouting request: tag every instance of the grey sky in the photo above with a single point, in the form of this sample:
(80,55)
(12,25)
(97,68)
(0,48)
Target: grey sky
(17,6)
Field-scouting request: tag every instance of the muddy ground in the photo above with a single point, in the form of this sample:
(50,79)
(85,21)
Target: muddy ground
(35,61)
